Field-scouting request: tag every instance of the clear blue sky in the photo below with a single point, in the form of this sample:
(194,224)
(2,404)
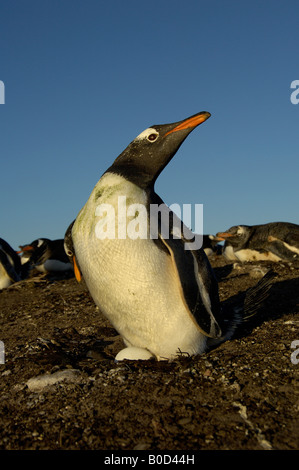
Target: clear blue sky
(84,77)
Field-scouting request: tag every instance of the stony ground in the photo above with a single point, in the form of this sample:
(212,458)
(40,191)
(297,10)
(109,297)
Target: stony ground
(61,389)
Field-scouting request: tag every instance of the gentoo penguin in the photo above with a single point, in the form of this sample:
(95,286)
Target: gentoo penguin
(46,255)
(210,245)
(10,265)
(160,295)
(70,252)
(274,241)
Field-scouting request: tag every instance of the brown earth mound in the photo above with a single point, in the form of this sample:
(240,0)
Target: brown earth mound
(242,395)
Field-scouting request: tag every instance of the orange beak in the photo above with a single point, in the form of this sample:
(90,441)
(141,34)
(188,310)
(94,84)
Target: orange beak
(193,121)
(77,270)
(25,248)
(223,235)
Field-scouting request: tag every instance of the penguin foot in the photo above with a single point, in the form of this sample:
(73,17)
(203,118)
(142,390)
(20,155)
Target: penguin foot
(133,354)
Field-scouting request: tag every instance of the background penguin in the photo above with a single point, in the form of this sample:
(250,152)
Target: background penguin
(47,256)
(160,295)
(211,246)
(274,241)
(11,269)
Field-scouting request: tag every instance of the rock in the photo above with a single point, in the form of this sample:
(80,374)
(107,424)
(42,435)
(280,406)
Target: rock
(257,272)
(38,383)
(142,446)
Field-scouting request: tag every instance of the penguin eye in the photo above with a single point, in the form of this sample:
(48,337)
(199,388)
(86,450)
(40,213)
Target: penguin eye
(152,137)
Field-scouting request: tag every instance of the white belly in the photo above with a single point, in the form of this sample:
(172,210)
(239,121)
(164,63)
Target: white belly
(134,283)
(254,255)
(291,248)
(229,253)
(5,280)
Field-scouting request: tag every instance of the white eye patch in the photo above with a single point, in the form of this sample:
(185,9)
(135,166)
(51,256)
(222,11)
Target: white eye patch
(148,134)
(240,230)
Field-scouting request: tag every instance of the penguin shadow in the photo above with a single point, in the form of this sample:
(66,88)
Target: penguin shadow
(49,277)
(68,347)
(231,271)
(59,276)
(222,272)
(282,299)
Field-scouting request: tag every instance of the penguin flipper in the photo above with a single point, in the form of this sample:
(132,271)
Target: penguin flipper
(292,239)
(25,269)
(197,287)
(10,271)
(278,247)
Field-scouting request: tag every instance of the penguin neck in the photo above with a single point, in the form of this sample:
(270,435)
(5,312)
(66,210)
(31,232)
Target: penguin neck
(135,174)
(142,168)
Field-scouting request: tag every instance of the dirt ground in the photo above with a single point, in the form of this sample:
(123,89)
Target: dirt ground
(243,395)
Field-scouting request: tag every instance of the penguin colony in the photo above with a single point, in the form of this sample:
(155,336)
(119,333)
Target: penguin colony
(161,297)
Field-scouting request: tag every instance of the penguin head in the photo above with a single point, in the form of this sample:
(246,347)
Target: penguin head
(29,249)
(70,251)
(235,236)
(148,154)
(68,242)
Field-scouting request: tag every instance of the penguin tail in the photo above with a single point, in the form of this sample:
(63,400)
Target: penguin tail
(237,311)
(257,294)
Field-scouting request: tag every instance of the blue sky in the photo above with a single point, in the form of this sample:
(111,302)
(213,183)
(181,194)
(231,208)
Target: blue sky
(84,78)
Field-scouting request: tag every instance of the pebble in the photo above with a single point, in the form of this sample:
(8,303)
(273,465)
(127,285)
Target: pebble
(96,355)
(142,446)
(39,382)
(257,272)
(184,421)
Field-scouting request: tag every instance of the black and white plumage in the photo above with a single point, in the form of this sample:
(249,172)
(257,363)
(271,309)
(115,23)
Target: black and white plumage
(210,245)
(161,297)
(275,241)
(11,269)
(47,256)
